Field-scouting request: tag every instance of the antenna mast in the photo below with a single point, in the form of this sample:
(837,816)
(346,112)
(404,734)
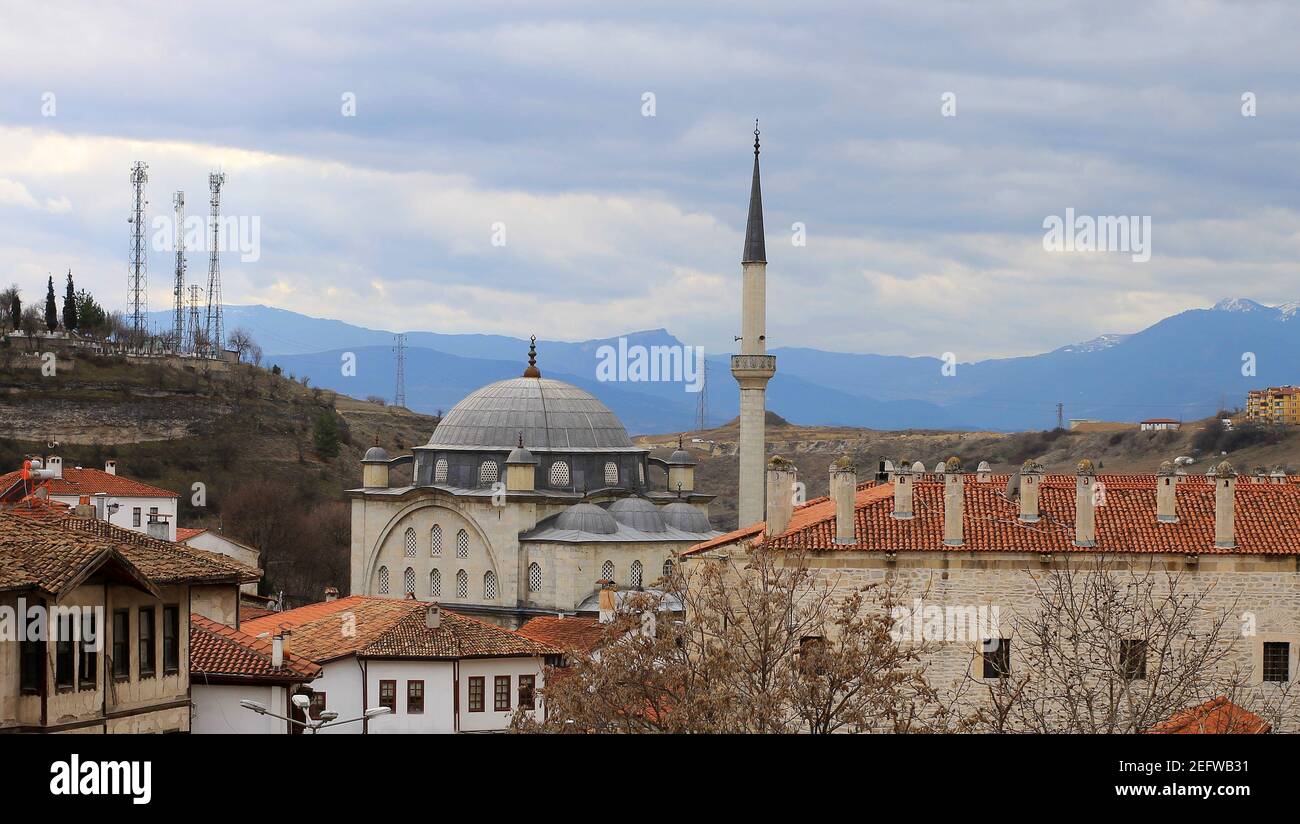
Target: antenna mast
(702,410)
(399,397)
(137,286)
(178,290)
(212,330)
(192,331)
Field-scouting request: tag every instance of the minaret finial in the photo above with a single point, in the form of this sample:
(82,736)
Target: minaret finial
(521,440)
(532,371)
(756,137)
(755,246)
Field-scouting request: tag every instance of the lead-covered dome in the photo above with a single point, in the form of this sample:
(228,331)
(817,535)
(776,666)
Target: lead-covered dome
(585,517)
(637,513)
(550,414)
(687,518)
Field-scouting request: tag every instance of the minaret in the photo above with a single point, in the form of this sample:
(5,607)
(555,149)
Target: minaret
(753,367)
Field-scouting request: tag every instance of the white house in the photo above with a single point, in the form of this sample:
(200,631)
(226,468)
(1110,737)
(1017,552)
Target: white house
(436,671)
(119,500)
(204,538)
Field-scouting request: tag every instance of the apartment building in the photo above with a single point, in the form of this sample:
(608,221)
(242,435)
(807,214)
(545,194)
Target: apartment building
(1276,404)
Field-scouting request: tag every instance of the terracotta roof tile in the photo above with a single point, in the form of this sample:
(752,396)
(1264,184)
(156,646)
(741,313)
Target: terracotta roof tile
(221,652)
(89,482)
(457,636)
(1217,716)
(580,634)
(184,533)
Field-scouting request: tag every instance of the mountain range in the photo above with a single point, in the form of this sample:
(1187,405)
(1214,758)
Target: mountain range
(1186,366)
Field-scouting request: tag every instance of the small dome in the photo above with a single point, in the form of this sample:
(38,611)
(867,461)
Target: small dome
(889,465)
(587,517)
(984,467)
(683,516)
(681,457)
(843,463)
(376,454)
(521,455)
(1086,467)
(1224,469)
(953,464)
(918,468)
(779,463)
(1166,468)
(637,513)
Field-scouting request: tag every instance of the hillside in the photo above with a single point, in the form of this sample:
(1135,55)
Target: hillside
(246,435)
(813,448)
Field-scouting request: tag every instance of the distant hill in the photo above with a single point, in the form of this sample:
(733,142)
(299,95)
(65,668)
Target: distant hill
(1184,367)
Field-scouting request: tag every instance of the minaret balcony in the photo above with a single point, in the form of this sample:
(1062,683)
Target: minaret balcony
(753,367)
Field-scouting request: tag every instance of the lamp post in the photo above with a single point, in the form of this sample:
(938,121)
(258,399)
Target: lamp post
(313,725)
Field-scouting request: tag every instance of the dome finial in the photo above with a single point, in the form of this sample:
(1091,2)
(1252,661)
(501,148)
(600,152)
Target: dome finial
(532,371)
(756,137)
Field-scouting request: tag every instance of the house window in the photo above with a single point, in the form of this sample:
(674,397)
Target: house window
(135,516)
(462,584)
(88,674)
(414,696)
(410,542)
(121,644)
(148,657)
(607,571)
(64,653)
(476,693)
(668,568)
(489,586)
(487,473)
(317,705)
(462,544)
(388,695)
(559,474)
(383,580)
(1277,661)
(435,584)
(1133,658)
(997,657)
(435,541)
(440,471)
(534,578)
(611,474)
(640,473)
(635,575)
(171,639)
(527,683)
(501,693)
(32,665)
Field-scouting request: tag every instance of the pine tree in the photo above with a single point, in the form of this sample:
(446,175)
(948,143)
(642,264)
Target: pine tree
(15,311)
(51,308)
(325,433)
(70,306)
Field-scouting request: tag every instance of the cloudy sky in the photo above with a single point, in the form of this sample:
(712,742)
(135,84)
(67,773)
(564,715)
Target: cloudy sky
(924,232)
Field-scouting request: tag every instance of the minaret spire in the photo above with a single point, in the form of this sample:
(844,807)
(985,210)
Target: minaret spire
(531,371)
(753,367)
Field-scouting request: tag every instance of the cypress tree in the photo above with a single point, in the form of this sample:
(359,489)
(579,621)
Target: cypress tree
(70,306)
(51,308)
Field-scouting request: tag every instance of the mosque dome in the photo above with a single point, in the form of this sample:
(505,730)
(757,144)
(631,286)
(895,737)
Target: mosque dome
(687,518)
(637,513)
(376,454)
(585,517)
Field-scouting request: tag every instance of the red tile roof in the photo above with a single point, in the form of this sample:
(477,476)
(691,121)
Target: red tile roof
(87,482)
(457,636)
(1267,520)
(184,533)
(579,634)
(219,653)
(1217,716)
(248,612)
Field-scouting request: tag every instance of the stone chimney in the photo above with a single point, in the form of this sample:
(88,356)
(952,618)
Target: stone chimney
(954,502)
(101,506)
(1278,475)
(1167,495)
(331,594)
(1031,477)
(277,651)
(844,492)
(433,617)
(983,473)
(110,467)
(157,527)
(608,603)
(84,508)
(903,481)
(1225,516)
(780,495)
(1085,504)
(55,465)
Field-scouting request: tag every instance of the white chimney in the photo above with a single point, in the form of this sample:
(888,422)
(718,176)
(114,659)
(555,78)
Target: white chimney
(1167,495)
(983,472)
(780,495)
(55,465)
(1225,516)
(607,603)
(110,467)
(902,479)
(433,617)
(331,594)
(844,492)
(277,651)
(954,503)
(101,505)
(1085,511)
(1031,477)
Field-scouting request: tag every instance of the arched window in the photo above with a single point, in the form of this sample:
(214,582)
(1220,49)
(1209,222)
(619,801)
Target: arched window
(487,473)
(435,584)
(534,577)
(435,541)
(635,575)
(410,542)
(611,474)
(440,471)
(559,474)
(668,568)
(489,586)
(383,580)
(462,544)
(462,584)
(607,571)
(408,580)
(640,473)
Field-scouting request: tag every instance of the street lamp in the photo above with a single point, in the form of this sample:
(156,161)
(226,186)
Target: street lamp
(314,725)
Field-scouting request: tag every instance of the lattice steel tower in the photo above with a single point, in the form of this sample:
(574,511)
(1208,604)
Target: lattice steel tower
(192,330)
(178,290)
(399,397)
(137,278)
(213,328)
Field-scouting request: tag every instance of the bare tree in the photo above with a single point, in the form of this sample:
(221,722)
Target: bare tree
(241,341)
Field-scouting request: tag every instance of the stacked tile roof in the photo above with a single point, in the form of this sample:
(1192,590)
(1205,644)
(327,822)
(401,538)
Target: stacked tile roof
(88,482)
(43,549)
(222,653)
(580,634)
(1267,519)
(184,533)
(1218,716)
(375,627)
